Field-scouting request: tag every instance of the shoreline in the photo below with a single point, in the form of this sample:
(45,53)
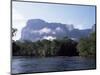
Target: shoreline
(56,57)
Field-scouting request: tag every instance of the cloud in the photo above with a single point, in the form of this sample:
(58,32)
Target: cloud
(80,26)
(42,31)
(45,30)
(58,29)
(53,32)
(49,38)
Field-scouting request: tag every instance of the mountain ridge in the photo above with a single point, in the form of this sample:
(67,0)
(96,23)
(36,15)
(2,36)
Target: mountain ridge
(38,29)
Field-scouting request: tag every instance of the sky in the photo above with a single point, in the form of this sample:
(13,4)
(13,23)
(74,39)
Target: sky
(82,17)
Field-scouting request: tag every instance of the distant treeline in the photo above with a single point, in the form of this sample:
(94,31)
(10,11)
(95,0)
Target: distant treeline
(57,47)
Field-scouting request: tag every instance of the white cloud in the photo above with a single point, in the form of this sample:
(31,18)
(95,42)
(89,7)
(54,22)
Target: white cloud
(53,32)
(42,31)
(45,30)
(80,26)
(34,31)
(58,29)
(49,38)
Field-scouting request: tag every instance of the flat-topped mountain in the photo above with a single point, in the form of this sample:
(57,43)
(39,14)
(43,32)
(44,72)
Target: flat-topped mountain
(37,29)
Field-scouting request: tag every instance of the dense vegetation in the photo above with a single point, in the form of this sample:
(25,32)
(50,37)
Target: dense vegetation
(57,47)
(87,46)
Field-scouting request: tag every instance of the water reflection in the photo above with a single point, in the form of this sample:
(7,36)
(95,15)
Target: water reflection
(26,65)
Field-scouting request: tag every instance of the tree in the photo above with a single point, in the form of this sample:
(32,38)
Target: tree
(13,31)
(44,48)
(68,48)
(87,46)
(15,48)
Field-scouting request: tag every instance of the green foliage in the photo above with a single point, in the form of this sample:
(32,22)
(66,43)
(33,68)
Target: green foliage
(44,48)
(87,46)
(57,47)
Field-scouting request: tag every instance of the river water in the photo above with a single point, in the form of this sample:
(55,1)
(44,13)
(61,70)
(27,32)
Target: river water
(50,64)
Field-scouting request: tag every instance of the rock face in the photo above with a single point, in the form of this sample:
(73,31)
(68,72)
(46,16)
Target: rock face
(37,29)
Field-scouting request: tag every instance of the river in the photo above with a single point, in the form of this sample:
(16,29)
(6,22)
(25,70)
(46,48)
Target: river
(22,64)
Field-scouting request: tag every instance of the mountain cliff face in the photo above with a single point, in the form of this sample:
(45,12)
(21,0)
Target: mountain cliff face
(37,29)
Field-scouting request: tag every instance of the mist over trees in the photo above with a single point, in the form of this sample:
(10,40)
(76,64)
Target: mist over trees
(65,46)
(57,47)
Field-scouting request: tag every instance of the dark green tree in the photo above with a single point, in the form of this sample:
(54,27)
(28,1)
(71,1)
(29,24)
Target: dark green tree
(87,46)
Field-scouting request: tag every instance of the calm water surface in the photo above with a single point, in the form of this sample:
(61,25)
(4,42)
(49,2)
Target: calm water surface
(32,64)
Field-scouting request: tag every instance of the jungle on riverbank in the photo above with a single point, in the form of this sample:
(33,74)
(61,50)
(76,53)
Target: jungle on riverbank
(57,47)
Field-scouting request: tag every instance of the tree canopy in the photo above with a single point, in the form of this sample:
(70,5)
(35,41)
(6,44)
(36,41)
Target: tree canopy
(57,47)
(87,46)
(43,48)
